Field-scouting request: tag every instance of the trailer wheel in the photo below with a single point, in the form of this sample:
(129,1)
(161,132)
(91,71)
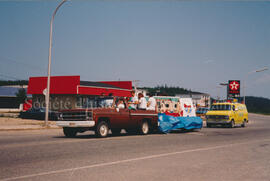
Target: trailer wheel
(102,129)
(69,132)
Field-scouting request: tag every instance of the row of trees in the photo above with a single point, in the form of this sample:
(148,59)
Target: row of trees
(167,91)
(13,82)
(258,105)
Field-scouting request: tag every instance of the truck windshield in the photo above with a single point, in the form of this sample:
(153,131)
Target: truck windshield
(221,107)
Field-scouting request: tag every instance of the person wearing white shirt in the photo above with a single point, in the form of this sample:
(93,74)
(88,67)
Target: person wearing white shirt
(121,104)
(109,101)
(142,102)
(151,104)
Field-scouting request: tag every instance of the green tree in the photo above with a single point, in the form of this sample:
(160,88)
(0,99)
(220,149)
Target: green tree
(21,95)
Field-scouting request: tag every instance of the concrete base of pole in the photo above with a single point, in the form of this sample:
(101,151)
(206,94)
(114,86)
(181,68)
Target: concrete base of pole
(47,126)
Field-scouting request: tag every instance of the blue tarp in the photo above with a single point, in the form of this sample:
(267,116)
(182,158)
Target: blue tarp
(168,123)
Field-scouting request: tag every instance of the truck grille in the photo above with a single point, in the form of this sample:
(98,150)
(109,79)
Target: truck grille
(76,116)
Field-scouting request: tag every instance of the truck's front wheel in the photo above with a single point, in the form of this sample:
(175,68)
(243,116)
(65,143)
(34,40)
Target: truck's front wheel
(70,132)
(102,129)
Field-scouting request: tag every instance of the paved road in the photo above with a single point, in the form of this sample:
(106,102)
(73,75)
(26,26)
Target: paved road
(210,154)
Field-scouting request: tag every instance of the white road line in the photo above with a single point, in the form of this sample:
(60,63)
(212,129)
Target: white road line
(131,160)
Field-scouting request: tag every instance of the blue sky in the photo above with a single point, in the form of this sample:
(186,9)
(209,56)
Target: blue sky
(195,45)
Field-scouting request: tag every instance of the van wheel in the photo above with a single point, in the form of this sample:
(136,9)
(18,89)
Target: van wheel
(69,132)
(244,123)
(232,124)
(116,131)
(144,128)
(102,129)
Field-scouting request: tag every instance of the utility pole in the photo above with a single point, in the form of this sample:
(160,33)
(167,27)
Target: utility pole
(47,92)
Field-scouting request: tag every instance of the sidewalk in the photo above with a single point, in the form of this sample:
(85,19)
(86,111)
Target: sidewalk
(11,124)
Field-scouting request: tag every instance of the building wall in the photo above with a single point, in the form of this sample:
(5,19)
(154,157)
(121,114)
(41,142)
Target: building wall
(201,100)
(57,102)
(60,102)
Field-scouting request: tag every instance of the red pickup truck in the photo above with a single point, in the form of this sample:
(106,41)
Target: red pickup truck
(101,119)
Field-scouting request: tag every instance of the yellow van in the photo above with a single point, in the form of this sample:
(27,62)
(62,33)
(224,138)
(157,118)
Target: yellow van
(226,113)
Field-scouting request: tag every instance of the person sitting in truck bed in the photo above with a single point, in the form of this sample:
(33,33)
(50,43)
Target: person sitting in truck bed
(142,102)
(133,101)
(109,100)
(151,104)
(121,104)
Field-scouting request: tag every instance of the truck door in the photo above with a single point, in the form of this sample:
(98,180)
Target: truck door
(120,118)
(135,117)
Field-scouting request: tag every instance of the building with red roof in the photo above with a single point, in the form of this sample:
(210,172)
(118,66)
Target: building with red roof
(67,92)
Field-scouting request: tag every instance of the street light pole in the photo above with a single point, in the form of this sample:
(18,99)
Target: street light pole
(49,65)
(244,81)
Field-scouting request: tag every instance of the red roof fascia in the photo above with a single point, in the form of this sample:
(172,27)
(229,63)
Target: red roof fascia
(83,90)
(120,84)
(58,85)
